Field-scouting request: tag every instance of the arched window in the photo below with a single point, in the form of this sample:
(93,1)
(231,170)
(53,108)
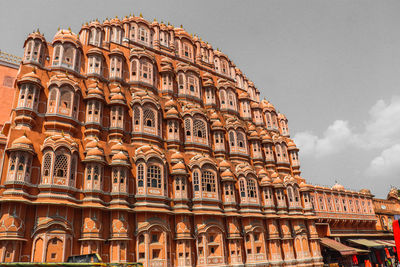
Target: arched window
(242,188)
(251,188)
(115,67)
(199,128)
(140,175)
(136,115)
(65,105)
(222,98)
(232,100)
(117,117)
(34,51)
(143,35)
(290,193)
(240,140)
(94,65)
(154,176)
(148,117)
(196,185)
(47,164)
(181,83)
(208,181)
(68,56)
(60,166)
(28,96)
(134,70)
(188,127)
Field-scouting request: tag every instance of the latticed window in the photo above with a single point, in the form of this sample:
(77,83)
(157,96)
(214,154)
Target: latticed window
(28,96)
(240,139)
(192,84)
(143,35)
(232,138)
(290,193)
(199,128)
(222,98)
(181,82)
(115,176)
(251,188)
(89,170)
(196,181)
(134,69)
(73,169)
(187,51)
(268,116)
(149,117)
(96,173)
(136,115)
(60,166)
(12,163)
(188,127)
(65,102)
(208,181)
(140,175)
(46,164)
(242,188)
(231,99)
(153,176)
(146,71)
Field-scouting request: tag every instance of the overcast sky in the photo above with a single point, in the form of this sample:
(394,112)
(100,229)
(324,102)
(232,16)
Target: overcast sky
(332,67)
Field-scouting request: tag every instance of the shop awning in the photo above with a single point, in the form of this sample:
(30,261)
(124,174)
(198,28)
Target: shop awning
(367,243)
(341,248)
(388,243)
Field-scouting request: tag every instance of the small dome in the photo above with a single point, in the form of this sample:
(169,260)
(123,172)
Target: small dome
(67,35)
(120,156)
(170,103)
(172,113)
(214,116)
(179,168)
(217,125)
(22,143)
(266,181)
(177,157)
(224,165)
(281,116)
(274,175)
(30,77)
(338,187)
(277,181)
(91,144)
(96,151)
(227,175)
(118,147)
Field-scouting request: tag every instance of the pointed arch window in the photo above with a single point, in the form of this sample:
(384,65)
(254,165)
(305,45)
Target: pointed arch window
(196,185)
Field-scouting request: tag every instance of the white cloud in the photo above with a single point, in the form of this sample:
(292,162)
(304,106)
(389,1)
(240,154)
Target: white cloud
(381,130)
(383,127)
(335,138)
(387,165)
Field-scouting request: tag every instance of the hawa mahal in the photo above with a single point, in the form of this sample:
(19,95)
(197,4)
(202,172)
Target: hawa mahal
(140,142)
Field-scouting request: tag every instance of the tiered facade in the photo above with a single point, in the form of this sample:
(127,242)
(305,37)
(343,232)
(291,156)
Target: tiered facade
(142,143)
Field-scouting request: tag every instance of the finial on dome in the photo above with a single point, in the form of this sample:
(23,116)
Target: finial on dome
(168,23)
(58,29)
(162,22)
(34,70)
(141,15)
(181,26)
(69,28)
(62,133)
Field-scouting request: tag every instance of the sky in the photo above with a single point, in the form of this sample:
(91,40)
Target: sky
(331,66)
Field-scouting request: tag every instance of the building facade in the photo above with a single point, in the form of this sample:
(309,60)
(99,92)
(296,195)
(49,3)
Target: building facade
(142,143)
(9,65)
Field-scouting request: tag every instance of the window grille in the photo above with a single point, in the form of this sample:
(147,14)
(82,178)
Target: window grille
(148,116)
(199,128)
(251,188)
(61,166)
(153,176)
(140,175)
(208,181)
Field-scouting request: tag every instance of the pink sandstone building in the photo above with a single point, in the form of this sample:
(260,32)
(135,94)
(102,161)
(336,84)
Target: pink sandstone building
(140,142)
